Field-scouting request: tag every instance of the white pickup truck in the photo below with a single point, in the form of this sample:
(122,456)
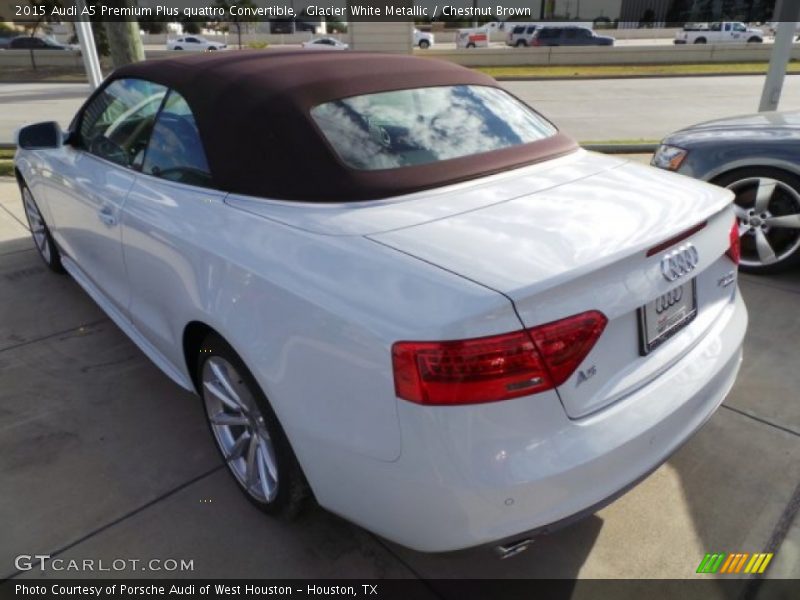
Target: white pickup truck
(723,32)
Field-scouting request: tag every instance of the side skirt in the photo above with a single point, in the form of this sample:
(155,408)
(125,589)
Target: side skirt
(127,327)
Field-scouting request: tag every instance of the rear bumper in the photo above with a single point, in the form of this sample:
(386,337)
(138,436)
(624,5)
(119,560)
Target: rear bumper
(474,475)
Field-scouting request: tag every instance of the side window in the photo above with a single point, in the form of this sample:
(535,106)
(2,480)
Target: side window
(117,123)
(531,29)
(175,151)
(193,40)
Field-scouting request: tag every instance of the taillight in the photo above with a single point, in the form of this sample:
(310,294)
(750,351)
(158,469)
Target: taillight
(536,42)
(494,368)
(735,248)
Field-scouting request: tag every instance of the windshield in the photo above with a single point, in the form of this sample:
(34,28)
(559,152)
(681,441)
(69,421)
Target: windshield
(424,125)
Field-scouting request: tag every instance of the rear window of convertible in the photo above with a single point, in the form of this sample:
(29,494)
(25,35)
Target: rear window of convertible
(413,127)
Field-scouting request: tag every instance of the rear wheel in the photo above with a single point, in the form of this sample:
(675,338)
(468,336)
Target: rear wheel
(470,45)
(178,48)
(755,40)
(700,40)
(768,210)
(521,43)
(424,44)
(248,434)
(41,234)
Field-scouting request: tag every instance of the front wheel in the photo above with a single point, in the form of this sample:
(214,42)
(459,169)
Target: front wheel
(521,43)
(41,234)
(700,40)
(470,45)
(424,44)
(767,206)
(247,432)
(755,40)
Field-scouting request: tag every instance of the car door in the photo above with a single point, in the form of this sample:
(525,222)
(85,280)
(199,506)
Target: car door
(584,37)
(92,177)
(167,226)
(194,44)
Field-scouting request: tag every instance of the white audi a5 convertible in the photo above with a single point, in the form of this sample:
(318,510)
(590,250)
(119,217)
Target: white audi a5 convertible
(397,288)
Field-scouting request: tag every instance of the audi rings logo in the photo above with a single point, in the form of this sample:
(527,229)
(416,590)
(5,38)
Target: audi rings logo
(679,262)
(671,298)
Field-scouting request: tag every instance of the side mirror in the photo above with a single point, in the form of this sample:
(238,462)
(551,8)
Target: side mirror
(40,136)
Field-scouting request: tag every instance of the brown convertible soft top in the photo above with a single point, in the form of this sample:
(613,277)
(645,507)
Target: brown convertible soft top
(252,110)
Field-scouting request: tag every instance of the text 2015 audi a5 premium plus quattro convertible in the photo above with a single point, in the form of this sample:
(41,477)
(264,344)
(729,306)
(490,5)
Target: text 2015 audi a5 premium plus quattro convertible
(395,286)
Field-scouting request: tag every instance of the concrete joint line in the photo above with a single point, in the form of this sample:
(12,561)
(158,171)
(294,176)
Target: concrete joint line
(126,516)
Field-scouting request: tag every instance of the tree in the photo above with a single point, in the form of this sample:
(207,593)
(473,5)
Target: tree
(48,6)
(237,21)
(152,25)
(124,41)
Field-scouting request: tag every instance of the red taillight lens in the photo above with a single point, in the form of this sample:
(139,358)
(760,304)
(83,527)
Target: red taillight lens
(735,249)
(494,368)
(564,344)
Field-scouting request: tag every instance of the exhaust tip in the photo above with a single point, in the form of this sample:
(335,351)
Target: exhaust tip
(514,548)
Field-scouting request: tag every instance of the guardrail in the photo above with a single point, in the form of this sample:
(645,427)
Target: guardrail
(602,55)
(497,57)
(40,58)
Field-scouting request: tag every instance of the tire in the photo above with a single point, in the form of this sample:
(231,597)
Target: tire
(211,48)
(265,467)
(177,48)
(424,44)
(470,45)
(755,40)
(45,246)
(764,195)
(700,40)
(521,43)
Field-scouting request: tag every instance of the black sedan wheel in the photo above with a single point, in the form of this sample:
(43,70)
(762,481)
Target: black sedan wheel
(768,209)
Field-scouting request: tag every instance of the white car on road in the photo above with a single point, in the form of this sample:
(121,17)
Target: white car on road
(728,32)
(194,43)
(436,314)
(422,39)
(326,43)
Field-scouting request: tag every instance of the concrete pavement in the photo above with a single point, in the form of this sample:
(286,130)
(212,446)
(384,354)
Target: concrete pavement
(101,456)
(589,110)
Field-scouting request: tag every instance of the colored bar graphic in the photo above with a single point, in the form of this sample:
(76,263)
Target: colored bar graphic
(723,563)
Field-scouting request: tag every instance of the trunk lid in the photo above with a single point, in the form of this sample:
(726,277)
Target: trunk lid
(560,250)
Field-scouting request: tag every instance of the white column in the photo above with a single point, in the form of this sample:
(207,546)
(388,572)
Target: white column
(88,50)
(787,13)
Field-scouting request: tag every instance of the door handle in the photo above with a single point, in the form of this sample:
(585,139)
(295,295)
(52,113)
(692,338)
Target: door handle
(106,215)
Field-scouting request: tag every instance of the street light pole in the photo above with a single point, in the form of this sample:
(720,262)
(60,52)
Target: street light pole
(786,13)
(91,62)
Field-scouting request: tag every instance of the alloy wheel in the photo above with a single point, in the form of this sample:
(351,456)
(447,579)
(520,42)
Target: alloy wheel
(36,223)
(768,211)
(240,429)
